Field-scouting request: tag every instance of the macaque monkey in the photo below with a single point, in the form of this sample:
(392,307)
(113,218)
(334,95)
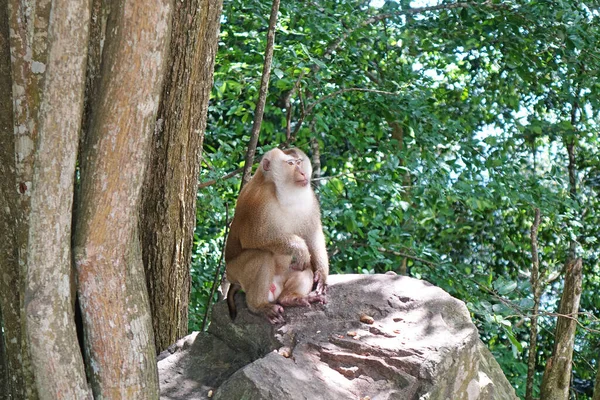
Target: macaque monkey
(276,249)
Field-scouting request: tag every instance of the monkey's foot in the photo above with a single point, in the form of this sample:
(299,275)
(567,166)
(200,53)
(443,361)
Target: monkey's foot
(291,301)
(316,297)
(302,301)
(274,314)
(319,286)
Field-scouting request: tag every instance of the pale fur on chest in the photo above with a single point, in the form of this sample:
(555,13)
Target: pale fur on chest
(296,206)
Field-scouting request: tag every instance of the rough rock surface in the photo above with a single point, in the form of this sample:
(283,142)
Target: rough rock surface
(419,343)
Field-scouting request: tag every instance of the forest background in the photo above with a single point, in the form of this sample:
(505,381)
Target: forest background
(436,133)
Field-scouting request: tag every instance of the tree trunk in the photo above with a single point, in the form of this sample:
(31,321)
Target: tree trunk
(118,330)
(4,377)
(100,10)
(57,360)
(557,375)
(28,30)
(168,217)
(597,384)
(11,380)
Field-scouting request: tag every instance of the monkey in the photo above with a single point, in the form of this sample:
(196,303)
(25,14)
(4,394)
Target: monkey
(275,250)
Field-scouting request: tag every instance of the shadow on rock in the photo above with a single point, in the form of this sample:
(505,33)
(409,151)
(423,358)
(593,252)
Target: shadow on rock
(378,337)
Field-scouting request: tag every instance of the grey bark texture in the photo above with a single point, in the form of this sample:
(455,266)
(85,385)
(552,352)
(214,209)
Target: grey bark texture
(99,10)
(56,357)
(168,216)
(11,379)
(557,374)
(597,384)
(4,377)
(119,346)
(420,343)
(28,34)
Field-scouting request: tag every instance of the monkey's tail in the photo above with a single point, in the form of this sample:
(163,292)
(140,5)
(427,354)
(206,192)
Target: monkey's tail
(233,289)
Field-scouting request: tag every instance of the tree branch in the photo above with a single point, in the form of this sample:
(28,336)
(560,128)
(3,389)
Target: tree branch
(224,177)
(262,96)
(336,43)
(327,97)
(306,111)
(535,285)
(409,11)
(209,301)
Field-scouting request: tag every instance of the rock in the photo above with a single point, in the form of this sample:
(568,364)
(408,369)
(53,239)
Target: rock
(378,337)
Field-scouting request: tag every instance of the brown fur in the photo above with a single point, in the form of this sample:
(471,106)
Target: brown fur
(276,237)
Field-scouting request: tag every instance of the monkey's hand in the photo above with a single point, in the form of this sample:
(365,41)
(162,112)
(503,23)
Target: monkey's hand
(319,280)
(297,265)
(300,258)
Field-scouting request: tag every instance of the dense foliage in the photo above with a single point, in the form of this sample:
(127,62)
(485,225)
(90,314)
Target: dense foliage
(440,128)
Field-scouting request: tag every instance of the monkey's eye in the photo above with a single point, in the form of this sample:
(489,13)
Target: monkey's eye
(290,162)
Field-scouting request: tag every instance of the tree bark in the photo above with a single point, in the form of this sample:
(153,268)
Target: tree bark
(28,27)
(4,377)
(11,380)
(52,339)
(316,157)
(557,374)
(119,344)
(597,384)
(100,10)
(171,184)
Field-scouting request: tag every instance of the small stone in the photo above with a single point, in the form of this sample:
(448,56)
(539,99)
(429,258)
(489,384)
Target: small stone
(366,319)
(285,352)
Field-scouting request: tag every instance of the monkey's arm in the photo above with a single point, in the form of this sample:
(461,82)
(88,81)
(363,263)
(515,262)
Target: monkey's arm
(319,259)
(292,245)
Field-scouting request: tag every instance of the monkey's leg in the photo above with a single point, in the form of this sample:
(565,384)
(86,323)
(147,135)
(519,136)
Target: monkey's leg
(254,270)
(297,290)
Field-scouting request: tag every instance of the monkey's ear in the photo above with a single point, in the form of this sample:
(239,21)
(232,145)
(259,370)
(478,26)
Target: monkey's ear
(266,164)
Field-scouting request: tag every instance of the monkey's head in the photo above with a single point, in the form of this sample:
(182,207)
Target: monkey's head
(287,168)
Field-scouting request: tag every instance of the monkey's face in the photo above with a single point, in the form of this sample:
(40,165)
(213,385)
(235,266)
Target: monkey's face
(297,172)
(288,168)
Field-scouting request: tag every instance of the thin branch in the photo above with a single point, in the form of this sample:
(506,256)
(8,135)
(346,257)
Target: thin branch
(535,285)
(262,95)
(327,97)
(508,303)
(309,109)
(209,301)
(342,39)
(288,120)
(322,178)
(409,11)
(224,177)
(401,254)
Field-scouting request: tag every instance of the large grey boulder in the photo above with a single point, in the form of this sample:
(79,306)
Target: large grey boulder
(378,337)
